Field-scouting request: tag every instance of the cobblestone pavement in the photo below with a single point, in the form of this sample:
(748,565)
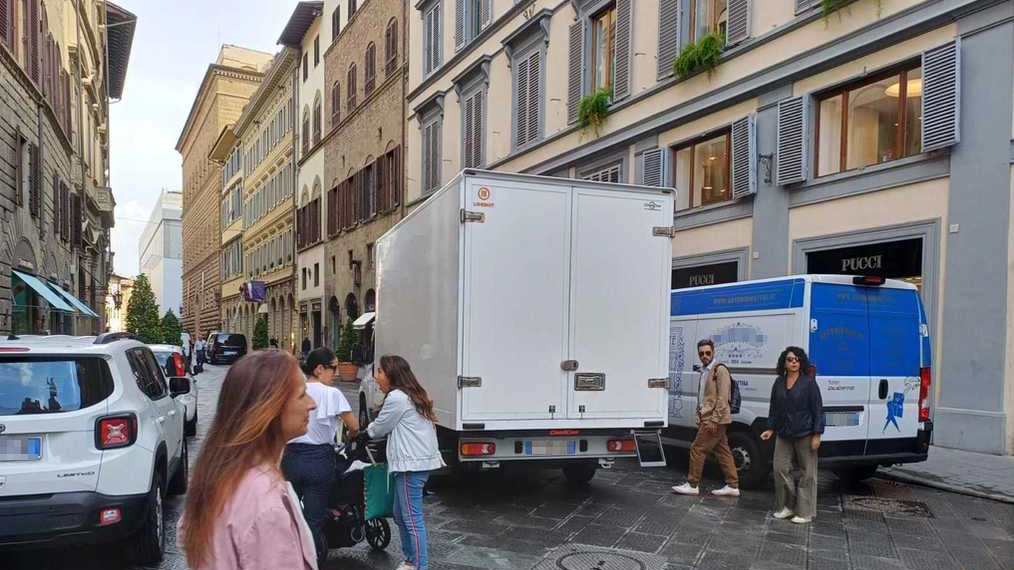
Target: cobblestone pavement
(978,474)
(628,519)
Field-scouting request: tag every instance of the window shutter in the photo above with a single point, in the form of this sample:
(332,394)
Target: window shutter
(575,70)
(484,13)
(56,204)
(5,22)
(427,44)
(64,212)
(435,29)
(33,38)
(521,118)
(668,36)
(744,157)
(75,215)
(941,96)
(336,105)
(792,141)
(35,190)
(652,167)
(44,85)
(534,95)
(459,24)
(621,71)
(396,177)
(468,127)
(477,130)
(336,22)
(805,5)
(738,27)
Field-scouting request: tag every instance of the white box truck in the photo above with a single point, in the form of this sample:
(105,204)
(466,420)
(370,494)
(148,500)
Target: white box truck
(534,310)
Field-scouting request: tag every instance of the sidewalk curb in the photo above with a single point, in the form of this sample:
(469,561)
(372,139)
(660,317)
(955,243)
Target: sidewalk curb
(906,478)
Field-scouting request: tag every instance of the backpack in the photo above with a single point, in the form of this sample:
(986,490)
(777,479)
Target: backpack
(735,398)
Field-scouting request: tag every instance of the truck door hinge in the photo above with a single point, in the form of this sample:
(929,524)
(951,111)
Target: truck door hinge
(467,216)
(659,383)
(469,382)
(569,365)
(664,231)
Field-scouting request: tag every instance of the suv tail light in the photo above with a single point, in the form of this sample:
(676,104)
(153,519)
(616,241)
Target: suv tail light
(113,432)
(925,380)
(181,367)
(476,449)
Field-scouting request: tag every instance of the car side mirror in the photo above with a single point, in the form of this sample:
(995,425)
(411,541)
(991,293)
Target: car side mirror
(179,385)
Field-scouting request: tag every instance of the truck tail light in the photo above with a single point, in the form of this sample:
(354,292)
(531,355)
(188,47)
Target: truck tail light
(925,380)
(874,280)
(181,367)
(478,449)
(113,432)
(621,446)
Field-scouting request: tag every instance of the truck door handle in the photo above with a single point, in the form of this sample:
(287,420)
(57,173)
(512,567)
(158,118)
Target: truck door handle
(569,365)
(883,389)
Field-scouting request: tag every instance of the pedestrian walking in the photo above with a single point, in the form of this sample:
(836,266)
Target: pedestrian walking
(795,420)
(187,349)
(240,513)
(412,452)
(306,346)
(309,460)
(201,356)
(714,415)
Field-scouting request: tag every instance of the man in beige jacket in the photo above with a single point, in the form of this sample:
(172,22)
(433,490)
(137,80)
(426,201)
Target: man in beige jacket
(713,419)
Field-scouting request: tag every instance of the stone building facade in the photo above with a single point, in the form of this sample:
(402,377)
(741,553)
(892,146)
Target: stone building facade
(60,64)
(227,86)
(365,79)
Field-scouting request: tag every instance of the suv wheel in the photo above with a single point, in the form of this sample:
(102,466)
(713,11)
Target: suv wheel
(148,545)
(178,484)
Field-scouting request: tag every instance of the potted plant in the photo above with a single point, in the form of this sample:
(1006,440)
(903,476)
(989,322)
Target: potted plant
(702,55)
(350,336)
(594,108)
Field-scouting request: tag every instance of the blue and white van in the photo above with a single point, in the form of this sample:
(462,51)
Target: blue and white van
(868,342)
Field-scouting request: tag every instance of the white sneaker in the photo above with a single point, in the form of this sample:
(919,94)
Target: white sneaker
(405,566)
(783,514)
(686,489)
(801,520)
(726,491)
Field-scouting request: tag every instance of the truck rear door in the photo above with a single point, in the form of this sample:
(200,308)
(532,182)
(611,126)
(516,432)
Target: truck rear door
(619,317)
(516,278)
(895,359)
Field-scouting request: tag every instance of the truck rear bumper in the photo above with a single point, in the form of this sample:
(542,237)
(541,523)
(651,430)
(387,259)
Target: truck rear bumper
(543,447)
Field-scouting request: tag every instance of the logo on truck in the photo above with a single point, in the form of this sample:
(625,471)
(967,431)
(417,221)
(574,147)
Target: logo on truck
(484,198)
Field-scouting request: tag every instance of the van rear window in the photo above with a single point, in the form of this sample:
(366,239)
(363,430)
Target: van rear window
(30,385)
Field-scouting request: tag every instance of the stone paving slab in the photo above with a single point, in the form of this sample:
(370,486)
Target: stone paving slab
(975,474)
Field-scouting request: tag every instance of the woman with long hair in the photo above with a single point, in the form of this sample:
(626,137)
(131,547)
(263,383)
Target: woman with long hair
(795,420)
(240,513)
(309,460)
(412,451)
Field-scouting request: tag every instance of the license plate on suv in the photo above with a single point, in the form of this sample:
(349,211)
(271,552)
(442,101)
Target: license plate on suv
(20,448)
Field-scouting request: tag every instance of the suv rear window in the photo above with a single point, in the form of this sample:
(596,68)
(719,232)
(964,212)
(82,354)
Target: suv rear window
(232,339)
(52,385)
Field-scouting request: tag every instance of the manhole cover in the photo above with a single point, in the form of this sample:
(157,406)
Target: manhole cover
(599,561)
(893,507)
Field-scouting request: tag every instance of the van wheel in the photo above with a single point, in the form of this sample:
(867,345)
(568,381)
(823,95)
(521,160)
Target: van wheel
(148,545)
(580,473)
(178,483)
(854,475)
(750,464)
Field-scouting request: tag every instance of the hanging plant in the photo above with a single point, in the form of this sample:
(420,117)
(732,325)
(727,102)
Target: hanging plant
(594,108)
(702,55)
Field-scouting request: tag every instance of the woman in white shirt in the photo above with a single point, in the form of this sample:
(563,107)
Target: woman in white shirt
(309,460)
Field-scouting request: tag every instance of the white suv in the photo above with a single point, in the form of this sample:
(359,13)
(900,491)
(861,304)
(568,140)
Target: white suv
(91,441)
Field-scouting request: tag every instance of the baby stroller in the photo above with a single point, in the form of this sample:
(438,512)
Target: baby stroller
(346,525)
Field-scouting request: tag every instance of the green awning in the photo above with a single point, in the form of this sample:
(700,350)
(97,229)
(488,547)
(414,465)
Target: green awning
(40,287)
(73,300)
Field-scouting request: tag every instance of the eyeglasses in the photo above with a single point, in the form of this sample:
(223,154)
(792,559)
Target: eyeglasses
(791,359)
(704,353)
(332,366)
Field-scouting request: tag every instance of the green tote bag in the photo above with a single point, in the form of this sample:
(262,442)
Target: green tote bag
(379,489)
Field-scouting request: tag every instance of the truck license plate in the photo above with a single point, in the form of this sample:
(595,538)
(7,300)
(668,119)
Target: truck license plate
(540,447)
(20,448)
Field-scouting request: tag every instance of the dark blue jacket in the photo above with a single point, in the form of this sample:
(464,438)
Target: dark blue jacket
(798,412)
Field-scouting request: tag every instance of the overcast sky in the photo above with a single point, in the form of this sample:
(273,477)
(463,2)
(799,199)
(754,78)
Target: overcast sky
(173,45)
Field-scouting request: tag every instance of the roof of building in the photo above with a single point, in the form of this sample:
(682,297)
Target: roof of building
(300,21)
(273,77)
(120,26)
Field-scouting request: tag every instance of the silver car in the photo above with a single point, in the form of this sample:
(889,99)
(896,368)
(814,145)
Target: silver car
(177,366)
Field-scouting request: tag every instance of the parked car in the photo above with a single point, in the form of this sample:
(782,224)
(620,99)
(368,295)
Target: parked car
(226,348)
(174,364)
(92,433)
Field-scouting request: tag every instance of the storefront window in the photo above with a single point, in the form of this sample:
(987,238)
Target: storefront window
(703,168)
(873,122)
(701,275)
(900,259)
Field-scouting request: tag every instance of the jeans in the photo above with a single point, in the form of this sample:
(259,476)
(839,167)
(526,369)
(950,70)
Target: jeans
(801,499)
(408,495)
(311,470)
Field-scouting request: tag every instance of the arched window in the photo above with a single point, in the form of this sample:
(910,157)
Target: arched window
(306,130)
(391,47)
(336,104)
(318,119)
(370,302)
(350,86)
(371,69)
(351,306)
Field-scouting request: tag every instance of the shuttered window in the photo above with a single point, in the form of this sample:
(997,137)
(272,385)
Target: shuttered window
(743,171)
(306,137)
(941,96)
(370,73)
(668,36)
(336,23)
(352,7)
(35,181)
(7,23)
(431,155)
(431,39)
(651,166)
(802,5)
(336,104)
(528,98)
(470,18)
(609,173)
(575,70)
(64,212)
(76,220)
(33,39)
(791,141)
(317,122)
(702,170)
(56,205)
(350,87)
(473,118)
(391,47)
(738,28)
(621,50)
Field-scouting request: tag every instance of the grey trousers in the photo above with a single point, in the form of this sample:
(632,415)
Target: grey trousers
(790,454)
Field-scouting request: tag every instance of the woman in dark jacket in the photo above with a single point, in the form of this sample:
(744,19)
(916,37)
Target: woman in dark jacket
(796,419)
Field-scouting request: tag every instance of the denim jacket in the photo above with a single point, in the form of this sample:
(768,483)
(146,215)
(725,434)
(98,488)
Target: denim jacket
(412,445)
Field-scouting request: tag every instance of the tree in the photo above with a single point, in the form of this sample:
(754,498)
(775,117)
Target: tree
(350,336)
(142,312)
(171,328)
(260,336)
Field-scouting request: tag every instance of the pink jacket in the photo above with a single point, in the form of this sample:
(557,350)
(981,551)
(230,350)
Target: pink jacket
(261,528)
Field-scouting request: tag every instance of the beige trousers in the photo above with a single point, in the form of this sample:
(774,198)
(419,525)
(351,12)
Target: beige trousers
(802,498)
